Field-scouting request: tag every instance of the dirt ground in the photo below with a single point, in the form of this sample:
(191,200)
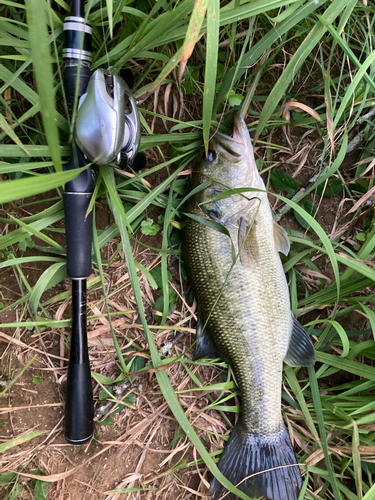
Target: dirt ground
(135,451)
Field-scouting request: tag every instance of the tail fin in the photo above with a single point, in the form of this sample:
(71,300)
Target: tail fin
(248,455)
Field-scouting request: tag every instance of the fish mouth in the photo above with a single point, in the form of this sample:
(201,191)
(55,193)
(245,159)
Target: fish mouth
(233,148)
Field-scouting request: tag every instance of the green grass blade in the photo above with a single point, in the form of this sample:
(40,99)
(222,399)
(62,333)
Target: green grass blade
(301,495)
(157,140)
(352,264)
(141,206)
(359,369)
(322,431)
(322,236)
(110,16)
(108,178)
(147,274)
(149,32)
(193,31)
(20,440)
(363,253)
(371,316)
(368,245)
(25,260)
(163,74)
(38,37)
(305,49)
(38,234)
(298,392)
(9,131)
(263,45)
(357,461)
(162,377)
(51,276)
(346,48)
(341,332)
(192,35)
(100,267)
(18,84)
(352,87)
(212,49)
(20,234)
(370,495)
(13,151)
(8,168)
(164,255)
(22,188)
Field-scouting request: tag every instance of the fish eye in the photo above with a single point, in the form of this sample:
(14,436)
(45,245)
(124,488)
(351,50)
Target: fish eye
(211,156)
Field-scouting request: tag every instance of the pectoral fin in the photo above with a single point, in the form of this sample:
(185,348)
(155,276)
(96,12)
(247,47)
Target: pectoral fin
(247,243)
(282,243)
(301,351)
(205,347)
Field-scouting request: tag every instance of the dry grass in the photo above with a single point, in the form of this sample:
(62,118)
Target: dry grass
(144,447)
(142,451)
(137,445)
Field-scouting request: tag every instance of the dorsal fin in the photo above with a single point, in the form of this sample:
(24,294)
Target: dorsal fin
(282,243)
(301,350)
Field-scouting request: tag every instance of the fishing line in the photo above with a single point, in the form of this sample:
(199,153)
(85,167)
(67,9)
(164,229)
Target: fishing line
(109,68)
(230,270)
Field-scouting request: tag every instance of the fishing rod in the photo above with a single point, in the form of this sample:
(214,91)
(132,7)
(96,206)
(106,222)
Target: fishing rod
(106,130)
(79,409)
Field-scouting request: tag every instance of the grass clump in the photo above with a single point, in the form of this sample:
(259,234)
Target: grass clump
(302,73)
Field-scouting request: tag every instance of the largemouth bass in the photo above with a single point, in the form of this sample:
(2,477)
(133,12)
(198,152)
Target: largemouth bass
(243,299)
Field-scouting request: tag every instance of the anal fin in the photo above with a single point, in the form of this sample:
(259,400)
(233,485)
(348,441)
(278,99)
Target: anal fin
(301,350)
(204,347)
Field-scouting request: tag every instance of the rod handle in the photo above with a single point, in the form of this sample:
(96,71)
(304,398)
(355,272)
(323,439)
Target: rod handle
(79,410)
(78,230)
(78,225)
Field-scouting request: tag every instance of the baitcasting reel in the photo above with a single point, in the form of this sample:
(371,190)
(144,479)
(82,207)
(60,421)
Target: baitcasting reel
(108,125)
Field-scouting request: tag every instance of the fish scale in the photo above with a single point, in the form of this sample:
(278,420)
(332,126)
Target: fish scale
(245,307)
(251,333)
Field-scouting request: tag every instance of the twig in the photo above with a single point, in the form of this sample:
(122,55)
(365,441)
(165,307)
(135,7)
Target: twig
(166,348)
(119,390)
(351,147)
(365,117)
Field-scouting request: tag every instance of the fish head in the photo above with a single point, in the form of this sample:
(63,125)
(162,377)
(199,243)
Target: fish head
(229,164)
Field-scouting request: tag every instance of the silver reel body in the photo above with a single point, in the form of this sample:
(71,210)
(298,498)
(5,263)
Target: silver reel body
(108,124)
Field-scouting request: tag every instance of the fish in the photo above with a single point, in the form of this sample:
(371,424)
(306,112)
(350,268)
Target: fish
(231,245)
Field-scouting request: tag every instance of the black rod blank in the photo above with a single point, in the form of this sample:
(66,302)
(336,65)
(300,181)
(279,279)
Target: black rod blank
(77,8)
